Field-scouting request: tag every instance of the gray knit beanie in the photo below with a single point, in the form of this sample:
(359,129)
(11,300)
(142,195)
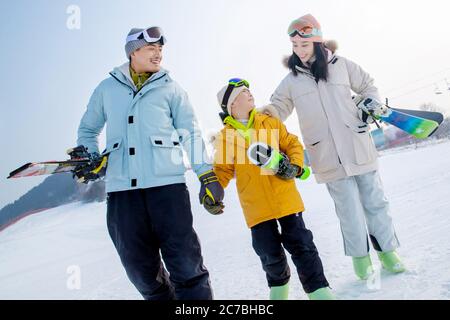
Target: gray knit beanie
(131,46)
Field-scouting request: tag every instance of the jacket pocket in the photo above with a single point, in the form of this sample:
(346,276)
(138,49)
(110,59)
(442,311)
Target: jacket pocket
(167,155)
(248,189)
(363,145)
(114,150)
(242,182)
(323,155)
(113,145)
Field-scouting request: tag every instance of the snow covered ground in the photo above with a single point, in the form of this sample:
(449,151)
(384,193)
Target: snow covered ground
(42,256)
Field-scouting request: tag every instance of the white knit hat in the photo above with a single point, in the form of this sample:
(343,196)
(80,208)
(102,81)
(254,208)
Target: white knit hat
(236,91)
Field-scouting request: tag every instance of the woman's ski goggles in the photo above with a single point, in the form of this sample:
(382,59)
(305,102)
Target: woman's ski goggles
(298,27)
(232,83)
(152,34)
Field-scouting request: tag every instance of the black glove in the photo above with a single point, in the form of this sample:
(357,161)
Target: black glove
(211,193)
(286,170)
(92,170)
(213,208)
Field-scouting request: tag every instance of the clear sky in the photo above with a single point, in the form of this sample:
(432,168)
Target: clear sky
(49,70)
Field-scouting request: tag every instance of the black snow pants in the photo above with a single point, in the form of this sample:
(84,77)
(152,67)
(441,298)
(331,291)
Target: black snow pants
(298,241)
(149,226)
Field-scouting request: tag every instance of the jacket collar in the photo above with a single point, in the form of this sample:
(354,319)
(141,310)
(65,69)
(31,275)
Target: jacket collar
(254,122)
(122,74)
(238,125)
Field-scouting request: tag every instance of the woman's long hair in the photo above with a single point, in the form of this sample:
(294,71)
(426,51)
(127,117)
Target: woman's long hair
(319,68)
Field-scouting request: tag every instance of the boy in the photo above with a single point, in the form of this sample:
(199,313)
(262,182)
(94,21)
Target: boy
(268,199)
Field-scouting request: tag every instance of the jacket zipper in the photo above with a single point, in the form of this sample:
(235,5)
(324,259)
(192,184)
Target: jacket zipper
(135,93)
(148,84)
(326,115)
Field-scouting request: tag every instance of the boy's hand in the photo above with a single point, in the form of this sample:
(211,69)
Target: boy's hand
(286,170)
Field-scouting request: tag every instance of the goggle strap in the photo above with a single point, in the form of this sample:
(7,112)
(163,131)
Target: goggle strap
(136,36)
(226,97)
(133,37)
(314,33)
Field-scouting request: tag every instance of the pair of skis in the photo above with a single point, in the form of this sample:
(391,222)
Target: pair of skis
(418,123)
(47,167)
(32,169)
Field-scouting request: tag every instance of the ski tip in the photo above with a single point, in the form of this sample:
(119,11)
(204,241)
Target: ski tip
(423,133)
(13,173)
(433,132)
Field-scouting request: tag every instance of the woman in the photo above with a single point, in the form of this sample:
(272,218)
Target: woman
(336,135)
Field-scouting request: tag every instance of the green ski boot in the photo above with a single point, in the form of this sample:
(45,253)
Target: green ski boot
(279,293)
(322,294)
(363,267)
(391,262)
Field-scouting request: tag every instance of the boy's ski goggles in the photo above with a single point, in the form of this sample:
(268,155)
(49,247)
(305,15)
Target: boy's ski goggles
(298,27)
(232,83)
(238,82)
(152,34)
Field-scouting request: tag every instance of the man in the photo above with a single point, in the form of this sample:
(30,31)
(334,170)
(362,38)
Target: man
(149,216)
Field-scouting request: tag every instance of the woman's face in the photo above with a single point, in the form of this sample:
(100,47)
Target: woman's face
(303,49)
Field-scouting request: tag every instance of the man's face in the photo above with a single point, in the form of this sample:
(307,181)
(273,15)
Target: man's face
(148,58)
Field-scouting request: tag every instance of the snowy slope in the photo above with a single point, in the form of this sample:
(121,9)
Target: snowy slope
(35,253)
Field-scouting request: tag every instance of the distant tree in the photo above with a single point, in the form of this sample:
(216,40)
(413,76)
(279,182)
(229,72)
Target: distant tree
(429,106)
(444,129)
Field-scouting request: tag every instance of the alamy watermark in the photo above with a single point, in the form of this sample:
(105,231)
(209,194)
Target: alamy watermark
(73,21)
(74,280)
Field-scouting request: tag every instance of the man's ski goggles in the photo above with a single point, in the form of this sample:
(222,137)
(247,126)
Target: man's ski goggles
(297,27)
(232,83)
(152,34)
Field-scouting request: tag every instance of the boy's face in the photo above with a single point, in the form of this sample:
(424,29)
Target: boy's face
(243,104)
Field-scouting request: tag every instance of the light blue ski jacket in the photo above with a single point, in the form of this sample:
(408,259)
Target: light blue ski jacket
(146,131)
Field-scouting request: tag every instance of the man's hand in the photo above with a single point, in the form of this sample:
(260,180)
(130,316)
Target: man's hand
(91,171)
(213,208)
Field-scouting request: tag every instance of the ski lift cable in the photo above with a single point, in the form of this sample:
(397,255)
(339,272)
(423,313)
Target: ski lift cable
(417,89)
(417,80)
